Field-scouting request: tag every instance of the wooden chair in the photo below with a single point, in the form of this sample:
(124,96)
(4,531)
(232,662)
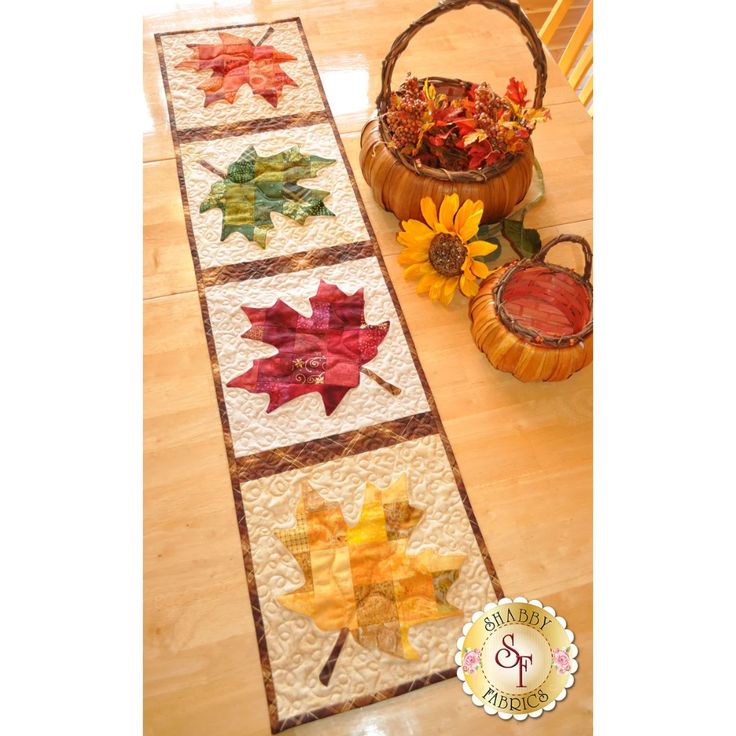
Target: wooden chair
(576,61)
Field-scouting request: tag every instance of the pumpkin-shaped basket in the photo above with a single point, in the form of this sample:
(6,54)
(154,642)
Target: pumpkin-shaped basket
(399,183)
(535,319)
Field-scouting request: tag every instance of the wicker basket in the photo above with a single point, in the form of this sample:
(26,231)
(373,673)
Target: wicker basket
(535,319)
(398,183)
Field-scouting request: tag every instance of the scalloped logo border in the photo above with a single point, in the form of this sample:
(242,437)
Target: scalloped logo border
(504,715)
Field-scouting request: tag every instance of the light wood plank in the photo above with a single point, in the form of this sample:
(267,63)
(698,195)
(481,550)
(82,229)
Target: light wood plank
(167,263)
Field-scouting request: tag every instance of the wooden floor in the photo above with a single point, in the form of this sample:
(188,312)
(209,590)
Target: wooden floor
(525,451)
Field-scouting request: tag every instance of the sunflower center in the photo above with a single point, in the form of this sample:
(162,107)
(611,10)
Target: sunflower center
(447,254)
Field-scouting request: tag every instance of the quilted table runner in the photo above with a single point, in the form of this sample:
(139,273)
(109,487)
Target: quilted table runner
(362,554)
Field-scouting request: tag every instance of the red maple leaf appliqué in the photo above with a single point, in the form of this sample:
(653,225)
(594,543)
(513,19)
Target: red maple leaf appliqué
(322,353)
(238,61)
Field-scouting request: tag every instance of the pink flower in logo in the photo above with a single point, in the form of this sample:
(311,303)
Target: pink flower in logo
(561,660)
(471,660)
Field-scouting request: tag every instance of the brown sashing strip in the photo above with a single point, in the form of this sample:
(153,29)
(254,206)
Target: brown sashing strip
(249,126)
(287,264)
(345,444)
(277,724)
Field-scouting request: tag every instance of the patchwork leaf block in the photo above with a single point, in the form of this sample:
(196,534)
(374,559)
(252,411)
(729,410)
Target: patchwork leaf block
(360,579)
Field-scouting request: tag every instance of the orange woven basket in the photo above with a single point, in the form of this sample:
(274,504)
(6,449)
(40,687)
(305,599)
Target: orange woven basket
(399,183)
(535,319)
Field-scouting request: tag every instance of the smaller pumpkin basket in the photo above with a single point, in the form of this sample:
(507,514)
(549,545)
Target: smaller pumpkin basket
(535,319)
(399,183)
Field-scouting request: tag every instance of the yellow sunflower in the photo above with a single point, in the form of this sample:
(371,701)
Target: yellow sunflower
(438,253)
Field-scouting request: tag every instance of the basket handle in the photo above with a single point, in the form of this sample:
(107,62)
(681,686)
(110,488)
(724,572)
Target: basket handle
(508,8)
(582,242)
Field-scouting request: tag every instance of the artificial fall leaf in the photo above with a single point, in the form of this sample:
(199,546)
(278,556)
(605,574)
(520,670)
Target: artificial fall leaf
(474,137)
(360,579)
(516,92)
(322,353)
(255,186)
(238,61)
(538,113)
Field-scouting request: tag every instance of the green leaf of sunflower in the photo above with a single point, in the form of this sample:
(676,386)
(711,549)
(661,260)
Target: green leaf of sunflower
(525,241)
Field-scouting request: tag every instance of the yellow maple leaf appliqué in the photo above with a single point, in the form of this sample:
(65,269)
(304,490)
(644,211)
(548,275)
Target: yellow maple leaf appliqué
(360,579)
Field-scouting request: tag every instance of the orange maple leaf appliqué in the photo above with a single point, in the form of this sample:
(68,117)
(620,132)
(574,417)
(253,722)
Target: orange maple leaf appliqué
(360,579)
(238,61)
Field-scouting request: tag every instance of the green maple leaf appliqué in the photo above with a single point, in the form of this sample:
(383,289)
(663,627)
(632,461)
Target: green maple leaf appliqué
(256,186)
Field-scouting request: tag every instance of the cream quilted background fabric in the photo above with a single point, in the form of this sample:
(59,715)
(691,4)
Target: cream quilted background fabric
(304,418)
(297,648)
(188,101)
(287,237)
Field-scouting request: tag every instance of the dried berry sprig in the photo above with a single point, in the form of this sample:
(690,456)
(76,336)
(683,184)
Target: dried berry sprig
(468,132)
